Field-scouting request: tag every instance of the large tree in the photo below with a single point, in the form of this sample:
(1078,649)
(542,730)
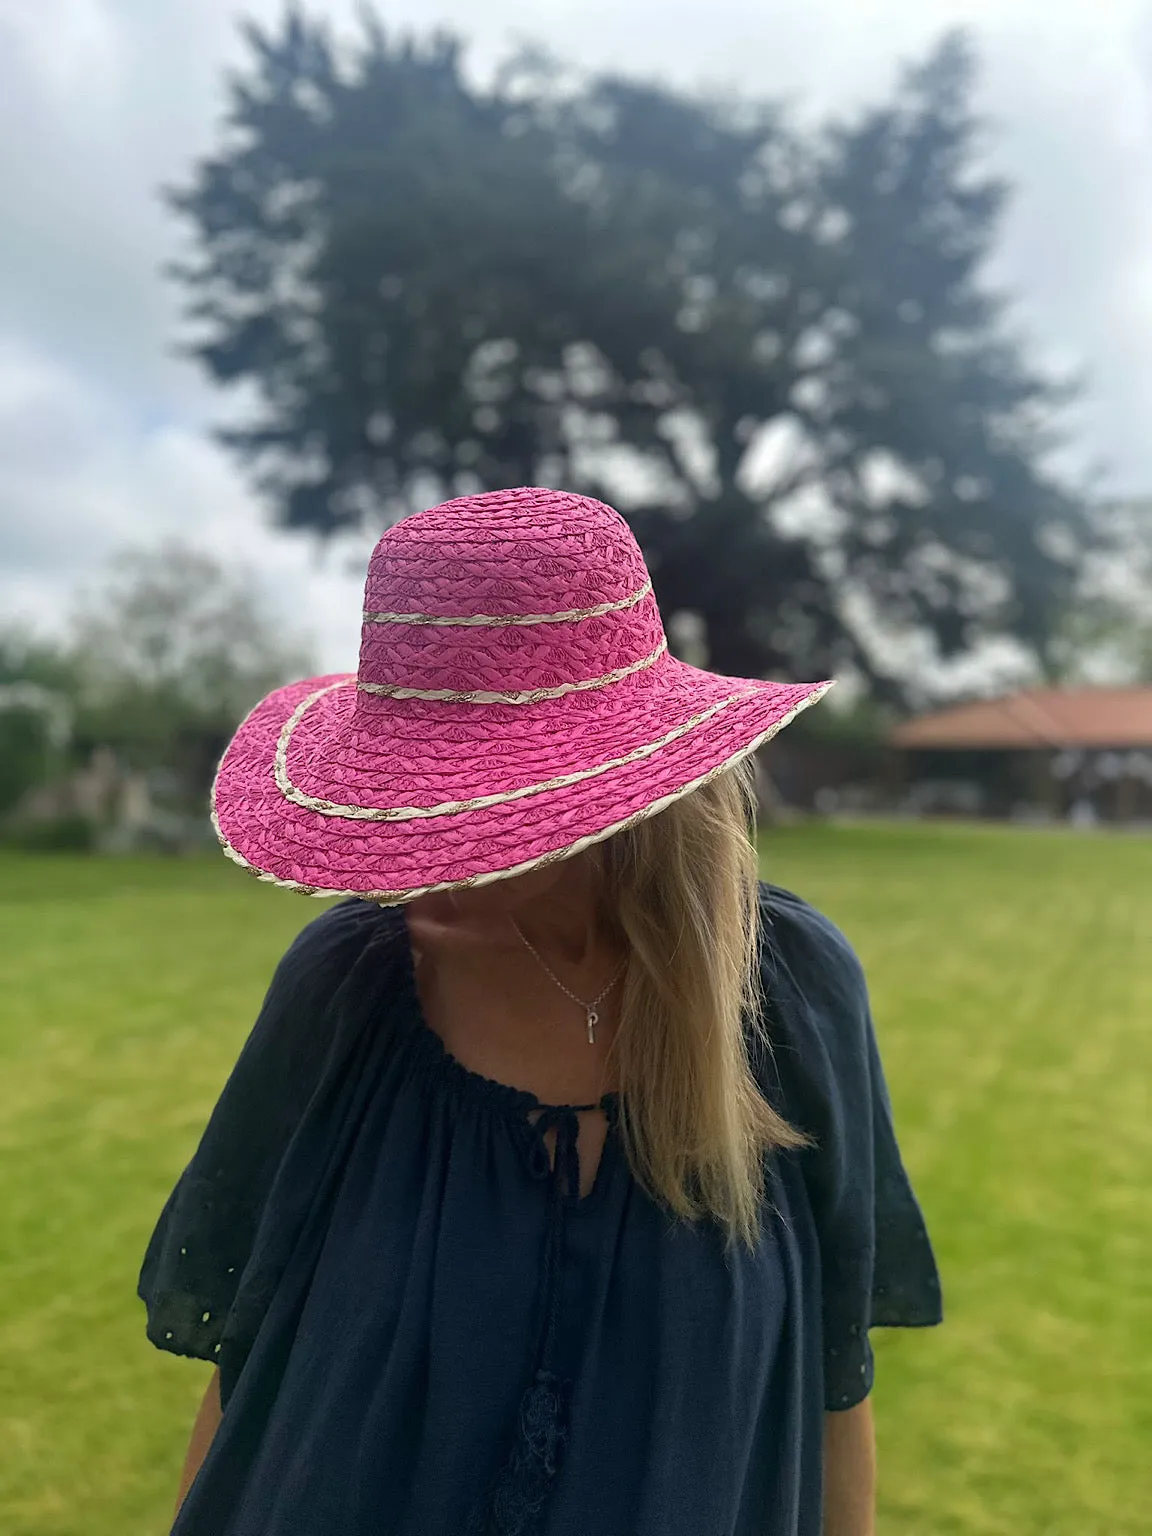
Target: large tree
(777,354)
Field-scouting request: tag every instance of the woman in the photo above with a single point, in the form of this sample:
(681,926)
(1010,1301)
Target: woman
(555,1189)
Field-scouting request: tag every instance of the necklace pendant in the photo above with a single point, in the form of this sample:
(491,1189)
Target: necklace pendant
(593,1020)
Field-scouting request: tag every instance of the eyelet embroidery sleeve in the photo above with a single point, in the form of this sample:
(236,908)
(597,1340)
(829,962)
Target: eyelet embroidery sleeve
(198,1252)
(877,1264)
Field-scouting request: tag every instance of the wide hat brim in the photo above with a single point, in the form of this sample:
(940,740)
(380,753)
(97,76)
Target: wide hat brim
(330,790)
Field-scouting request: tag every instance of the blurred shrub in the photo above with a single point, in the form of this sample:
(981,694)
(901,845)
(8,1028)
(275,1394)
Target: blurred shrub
(61,834)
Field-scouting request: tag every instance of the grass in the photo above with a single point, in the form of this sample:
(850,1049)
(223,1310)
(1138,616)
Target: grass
(1011,975)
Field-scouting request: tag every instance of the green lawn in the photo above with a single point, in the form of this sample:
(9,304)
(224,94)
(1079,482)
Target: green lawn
(1012,979)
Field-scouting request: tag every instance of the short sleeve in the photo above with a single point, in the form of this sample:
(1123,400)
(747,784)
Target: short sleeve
(202,1244)
(876,1259)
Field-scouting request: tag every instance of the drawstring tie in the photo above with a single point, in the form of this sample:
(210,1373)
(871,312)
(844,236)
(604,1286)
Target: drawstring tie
(515,1503)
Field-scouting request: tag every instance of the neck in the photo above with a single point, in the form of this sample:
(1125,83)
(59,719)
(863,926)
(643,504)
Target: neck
(565,921)
(571,931)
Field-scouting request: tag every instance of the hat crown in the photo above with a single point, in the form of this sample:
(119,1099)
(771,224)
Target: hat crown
(513,592)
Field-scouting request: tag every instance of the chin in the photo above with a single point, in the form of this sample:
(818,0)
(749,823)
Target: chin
(511,894)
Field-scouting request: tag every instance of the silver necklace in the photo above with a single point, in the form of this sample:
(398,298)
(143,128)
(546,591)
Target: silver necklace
(592,1018)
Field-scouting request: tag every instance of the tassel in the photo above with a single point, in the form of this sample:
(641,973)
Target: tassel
(515,1506)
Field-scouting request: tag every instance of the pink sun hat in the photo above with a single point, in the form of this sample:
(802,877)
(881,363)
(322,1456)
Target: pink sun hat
(515,703)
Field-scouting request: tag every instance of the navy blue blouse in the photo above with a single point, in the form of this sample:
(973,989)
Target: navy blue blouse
(423,1330)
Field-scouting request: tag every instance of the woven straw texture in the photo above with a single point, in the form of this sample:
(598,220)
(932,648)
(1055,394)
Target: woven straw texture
(515,702)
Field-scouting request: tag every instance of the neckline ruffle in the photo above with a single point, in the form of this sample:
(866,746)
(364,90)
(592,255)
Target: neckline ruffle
(438,1062)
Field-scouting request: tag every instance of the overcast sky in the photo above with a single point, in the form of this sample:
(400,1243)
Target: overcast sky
(103,431)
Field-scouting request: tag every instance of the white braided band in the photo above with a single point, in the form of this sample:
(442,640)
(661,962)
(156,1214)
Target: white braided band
(500,620)
(522,696)
(488,877)
(480,802)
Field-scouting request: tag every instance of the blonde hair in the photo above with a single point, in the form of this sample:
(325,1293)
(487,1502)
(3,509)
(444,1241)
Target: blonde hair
(683,886)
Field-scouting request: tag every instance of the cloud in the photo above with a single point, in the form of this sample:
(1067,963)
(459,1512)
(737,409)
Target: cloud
(79,479)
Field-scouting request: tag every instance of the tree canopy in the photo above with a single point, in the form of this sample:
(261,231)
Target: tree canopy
(162,657)
(170,650)
(1106,635)
(775,351)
